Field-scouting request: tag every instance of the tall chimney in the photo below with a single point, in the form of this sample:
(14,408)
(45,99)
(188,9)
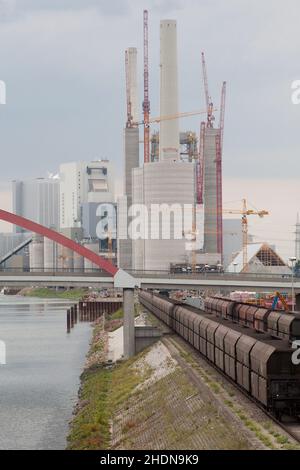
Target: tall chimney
(169,129)
(132,62)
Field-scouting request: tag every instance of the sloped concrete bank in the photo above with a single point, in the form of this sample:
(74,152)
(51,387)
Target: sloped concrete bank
(164,398)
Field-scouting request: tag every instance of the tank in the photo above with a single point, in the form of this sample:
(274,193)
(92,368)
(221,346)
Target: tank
(50,255)
(64,259)
(36,254)
(78,263)
(90,267)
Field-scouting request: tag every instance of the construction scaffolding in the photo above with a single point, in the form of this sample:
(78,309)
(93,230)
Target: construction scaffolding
(188,146)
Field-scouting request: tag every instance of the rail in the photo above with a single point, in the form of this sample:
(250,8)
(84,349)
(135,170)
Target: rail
(152,274)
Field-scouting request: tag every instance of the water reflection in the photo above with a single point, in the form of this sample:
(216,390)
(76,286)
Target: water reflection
(39,383)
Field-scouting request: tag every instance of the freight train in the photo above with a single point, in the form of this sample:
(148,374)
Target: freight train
(259,364)
(277,324)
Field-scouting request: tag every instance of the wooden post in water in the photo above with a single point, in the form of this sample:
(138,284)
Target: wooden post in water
(72,317)
(76,313)
(68,321)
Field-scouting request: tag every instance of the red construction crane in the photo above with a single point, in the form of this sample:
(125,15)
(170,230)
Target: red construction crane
(200,165)
(222,113)
(146,102)
(209,104)
(129,122)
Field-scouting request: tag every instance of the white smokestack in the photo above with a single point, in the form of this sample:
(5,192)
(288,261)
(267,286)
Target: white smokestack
(169,129)
(133,80)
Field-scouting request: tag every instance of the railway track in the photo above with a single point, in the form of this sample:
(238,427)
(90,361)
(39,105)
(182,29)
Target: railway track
(174,340)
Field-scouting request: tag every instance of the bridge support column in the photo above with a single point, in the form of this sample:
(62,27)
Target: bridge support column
(297,302)
(128,328)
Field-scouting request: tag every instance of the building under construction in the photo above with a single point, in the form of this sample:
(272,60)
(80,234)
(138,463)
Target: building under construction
(178,166)
(188,142)
(131,160)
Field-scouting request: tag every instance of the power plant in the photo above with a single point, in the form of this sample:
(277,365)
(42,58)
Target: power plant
(180,168)
(170,216)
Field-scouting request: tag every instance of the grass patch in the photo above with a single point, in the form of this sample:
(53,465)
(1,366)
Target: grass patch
(213,385)
(98,340)
(90,427)
(282,439)
(118,315)
(229,403)
(45,293)
(103,392)
(252,426)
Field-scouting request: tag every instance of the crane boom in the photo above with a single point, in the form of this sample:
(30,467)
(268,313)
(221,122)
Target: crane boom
(209,104)
(222,114)
(171,116)
(244,213)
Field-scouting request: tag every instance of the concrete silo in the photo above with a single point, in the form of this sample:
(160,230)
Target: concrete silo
(36,254)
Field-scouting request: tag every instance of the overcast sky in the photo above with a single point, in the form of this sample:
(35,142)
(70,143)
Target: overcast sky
(63,64)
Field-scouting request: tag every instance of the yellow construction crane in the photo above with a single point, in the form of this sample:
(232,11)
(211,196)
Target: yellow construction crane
(245,212)
(173,116)
(110,245)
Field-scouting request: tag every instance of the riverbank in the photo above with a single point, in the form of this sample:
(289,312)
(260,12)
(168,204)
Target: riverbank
(146,402)
(45,293)
(166,397)
(90,427)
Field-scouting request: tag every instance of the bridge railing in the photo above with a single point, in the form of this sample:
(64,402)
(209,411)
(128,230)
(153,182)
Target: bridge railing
(164,274)
(209,274)
(53,272)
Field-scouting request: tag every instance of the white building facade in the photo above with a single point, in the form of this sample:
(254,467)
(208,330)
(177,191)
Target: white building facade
(38,200)
(82,183)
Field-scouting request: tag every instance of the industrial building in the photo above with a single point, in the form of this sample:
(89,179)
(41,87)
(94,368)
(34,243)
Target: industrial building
(38,200)
(86,188)
(168,183)
(178,167)
(81,183)
(131,159)
(169,180)
(175,169)
(188,142)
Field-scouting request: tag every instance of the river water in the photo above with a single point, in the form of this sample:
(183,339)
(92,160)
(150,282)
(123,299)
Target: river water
(40,380)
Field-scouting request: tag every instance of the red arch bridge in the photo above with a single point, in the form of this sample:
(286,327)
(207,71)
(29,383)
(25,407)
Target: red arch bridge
(120,278)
